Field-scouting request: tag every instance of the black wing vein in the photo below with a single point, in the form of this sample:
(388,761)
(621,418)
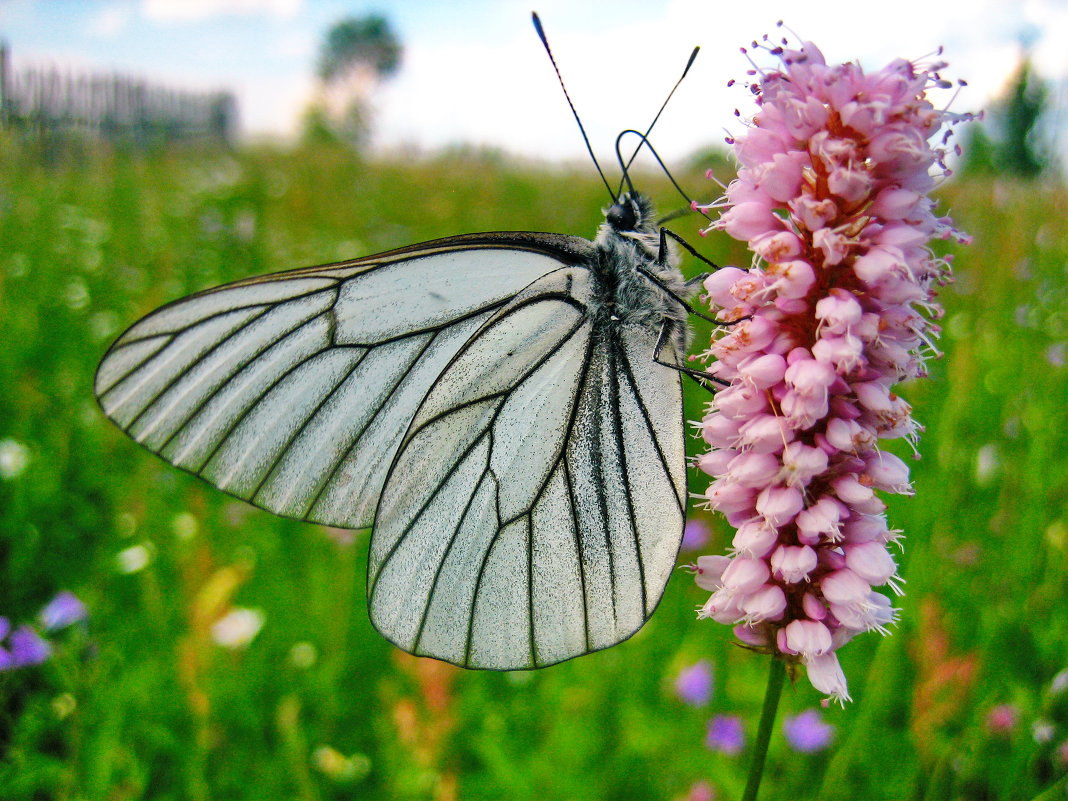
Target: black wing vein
(654,437)
(298,430)
(463,455)
(402,375)
(617,425)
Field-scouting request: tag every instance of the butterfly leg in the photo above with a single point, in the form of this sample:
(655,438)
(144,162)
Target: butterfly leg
(667,291)
(704,379)
(662,258)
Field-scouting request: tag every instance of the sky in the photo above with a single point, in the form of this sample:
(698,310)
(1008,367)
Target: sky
(473,70)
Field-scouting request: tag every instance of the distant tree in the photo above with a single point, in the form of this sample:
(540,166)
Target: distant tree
(1021,153)
(1011,143)
(356,55)
(359,42)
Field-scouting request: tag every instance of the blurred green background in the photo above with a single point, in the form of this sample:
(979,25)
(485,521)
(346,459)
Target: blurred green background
(148,699)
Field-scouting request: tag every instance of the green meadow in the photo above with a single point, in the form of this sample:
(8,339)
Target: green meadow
(151,697)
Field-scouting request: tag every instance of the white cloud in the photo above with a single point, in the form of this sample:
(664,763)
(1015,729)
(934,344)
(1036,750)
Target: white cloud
(295,43)
(109,21)
(196,10)
(273,106)
(502,92)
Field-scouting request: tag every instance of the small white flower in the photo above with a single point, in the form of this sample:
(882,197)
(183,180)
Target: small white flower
(303,655)
(133,559)
(14,457)
(987,463)
(1059,683)
(237,628)
(1043,731)
(185,526)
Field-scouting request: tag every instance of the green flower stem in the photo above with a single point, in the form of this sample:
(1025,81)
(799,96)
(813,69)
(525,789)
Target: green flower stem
(767,721)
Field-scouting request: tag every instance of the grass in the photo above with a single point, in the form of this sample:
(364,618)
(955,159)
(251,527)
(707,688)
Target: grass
(141,703)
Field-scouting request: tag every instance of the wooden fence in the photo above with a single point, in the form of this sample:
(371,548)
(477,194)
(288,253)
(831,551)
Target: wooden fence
(114,107)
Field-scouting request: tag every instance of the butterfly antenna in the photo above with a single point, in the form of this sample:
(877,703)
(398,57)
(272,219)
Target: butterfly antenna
(626,167)
(645,143)
(560,78)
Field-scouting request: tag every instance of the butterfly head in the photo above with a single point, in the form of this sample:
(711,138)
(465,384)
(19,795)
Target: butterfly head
(632,212)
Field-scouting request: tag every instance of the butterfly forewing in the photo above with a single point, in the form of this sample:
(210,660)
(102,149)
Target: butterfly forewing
(534,510)
(294,390)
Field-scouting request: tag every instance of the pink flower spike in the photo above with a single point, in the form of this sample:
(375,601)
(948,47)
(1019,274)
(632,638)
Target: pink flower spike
(838,306)
(848,435)
(866,528)
(854,494)
(720,607)
(813,214)
(850,184)
(834,244)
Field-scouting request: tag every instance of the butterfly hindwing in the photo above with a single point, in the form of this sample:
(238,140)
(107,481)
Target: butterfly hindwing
(293,390)
(534,510)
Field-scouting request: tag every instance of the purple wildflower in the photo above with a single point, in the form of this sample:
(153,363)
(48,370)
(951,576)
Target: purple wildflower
(695,535)
(694,684)
(831,196)
(1002,719)
(27,647)
(808,732)
(725,734)
(62,611)
(701,791)
(5,655)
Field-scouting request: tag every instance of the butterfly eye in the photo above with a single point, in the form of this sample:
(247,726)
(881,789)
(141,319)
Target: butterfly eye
(622,217)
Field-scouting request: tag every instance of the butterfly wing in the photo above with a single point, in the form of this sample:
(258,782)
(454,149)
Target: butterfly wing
(293,390)
(534,510)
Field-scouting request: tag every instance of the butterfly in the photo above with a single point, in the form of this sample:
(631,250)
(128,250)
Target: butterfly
(504,410)
(489,403)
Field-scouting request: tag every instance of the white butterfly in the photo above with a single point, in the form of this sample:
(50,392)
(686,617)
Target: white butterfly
(501,407)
